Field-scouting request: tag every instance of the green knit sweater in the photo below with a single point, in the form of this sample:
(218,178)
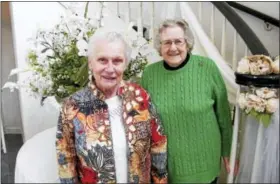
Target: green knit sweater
(193,106)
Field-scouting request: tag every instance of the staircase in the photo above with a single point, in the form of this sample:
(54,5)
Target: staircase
(218,28)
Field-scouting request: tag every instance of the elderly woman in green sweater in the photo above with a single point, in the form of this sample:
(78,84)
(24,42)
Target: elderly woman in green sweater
(191,98)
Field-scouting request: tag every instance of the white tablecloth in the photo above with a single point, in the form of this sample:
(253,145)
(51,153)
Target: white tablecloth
(36,160)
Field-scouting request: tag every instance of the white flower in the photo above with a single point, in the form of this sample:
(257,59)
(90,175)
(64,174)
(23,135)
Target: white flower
(260,65)
(242,101)
(61,89)
(255,102)
(254,98)
(134,53)
(266,93)
(272,105)
(243,66)
(18,70)
(249,106)
(102,23)
(260,107)
(275,65)
(82,46)
(11,85)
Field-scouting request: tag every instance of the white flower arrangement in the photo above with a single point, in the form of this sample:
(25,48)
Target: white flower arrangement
(58,59)
(260,103)
(258,65)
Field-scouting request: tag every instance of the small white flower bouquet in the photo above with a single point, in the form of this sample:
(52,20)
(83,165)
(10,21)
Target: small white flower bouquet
(258,65)
(260,103)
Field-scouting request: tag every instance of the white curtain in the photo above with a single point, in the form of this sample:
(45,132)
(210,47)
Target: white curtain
(259,158)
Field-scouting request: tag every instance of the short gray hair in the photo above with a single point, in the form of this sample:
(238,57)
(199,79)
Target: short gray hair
(188,35)
(110,37)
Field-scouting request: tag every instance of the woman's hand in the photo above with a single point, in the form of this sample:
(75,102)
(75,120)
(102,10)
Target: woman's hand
(227,165)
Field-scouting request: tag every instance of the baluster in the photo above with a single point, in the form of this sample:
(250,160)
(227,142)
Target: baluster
(118,9)
(3,140)
(234,141)
(200,11)
(246,50)
(212,23)
(223,44)
(127,15)
(139,22)
(151,35)
(234,52)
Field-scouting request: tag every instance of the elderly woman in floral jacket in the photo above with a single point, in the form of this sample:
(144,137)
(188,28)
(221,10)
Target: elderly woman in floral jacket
(109,132)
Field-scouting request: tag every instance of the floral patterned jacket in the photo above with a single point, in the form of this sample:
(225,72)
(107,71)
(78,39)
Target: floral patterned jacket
(84,142)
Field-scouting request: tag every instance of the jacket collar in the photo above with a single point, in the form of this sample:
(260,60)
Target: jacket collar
(100,95)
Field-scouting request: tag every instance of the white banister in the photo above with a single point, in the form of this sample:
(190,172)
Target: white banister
(139,20)
(223,44)
(127,15)
(212,28)
(2,135)
(200,11)
(234,141)
(118,9)
(2,132)
(246,50)
(151,34)
(234,52)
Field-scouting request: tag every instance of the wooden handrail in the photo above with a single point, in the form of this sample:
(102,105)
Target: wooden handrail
(246,33)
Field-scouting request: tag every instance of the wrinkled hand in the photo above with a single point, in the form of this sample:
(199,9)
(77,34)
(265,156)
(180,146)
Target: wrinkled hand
(227,165)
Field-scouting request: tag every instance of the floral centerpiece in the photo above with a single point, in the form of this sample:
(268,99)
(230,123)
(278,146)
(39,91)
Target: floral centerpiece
(258,65)
(260,102)
(58,60)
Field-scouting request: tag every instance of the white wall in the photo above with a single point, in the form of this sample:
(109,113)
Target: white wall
(270,39)
(26,18)
(268,8)
(10,101)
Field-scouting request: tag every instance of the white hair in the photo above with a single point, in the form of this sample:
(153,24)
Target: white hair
(110,36)
(188,35)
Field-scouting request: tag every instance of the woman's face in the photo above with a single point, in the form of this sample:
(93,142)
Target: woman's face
(173,46)
(108,65)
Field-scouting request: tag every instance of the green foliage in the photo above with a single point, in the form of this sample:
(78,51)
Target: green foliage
(135,68)
(264,118)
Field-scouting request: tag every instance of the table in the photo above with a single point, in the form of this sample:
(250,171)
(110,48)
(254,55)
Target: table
(36,160)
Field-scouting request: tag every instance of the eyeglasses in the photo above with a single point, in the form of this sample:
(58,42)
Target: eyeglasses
(178,42)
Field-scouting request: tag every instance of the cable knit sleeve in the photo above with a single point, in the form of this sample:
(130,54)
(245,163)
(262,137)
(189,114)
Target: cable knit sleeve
(222,110)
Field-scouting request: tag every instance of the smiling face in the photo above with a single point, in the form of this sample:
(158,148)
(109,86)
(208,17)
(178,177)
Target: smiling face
(108,65)
(173,45)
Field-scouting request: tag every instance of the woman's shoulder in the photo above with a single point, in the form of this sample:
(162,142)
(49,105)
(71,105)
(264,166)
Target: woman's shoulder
(205,60)
(153,65)
(82,95)
(137,88)
(202,58)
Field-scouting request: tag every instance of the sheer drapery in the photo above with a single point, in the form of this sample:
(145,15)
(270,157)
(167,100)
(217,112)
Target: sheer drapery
(261,157)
